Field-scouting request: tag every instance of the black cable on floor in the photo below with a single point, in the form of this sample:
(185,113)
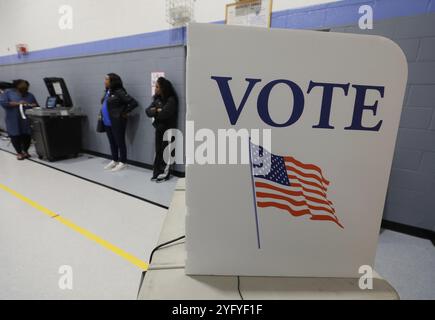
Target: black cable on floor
(162,245)
(238,288)
(151,258)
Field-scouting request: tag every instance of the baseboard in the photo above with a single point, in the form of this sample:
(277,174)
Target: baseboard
(176,173)
(410,230)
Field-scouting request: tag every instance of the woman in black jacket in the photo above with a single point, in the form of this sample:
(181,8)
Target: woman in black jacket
(116,104)
(164,110)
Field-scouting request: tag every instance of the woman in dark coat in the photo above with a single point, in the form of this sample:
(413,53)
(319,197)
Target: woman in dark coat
(116,105)
(164,110)
(15,101)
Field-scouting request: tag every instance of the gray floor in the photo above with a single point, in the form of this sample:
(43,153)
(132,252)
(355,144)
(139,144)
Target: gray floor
(34,246)
(134,180)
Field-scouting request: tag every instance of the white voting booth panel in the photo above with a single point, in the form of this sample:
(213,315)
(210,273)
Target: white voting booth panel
(333,103)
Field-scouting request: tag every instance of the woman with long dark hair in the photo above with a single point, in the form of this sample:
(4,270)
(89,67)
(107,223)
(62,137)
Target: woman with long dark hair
(116,105)
(164,110)
(16,101)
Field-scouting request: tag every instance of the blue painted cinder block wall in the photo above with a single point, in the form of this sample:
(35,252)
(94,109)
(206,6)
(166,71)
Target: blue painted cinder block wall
(410,23)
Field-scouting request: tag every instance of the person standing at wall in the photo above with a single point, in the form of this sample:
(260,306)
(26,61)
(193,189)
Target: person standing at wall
(15,101)
(116,105)
(164,111)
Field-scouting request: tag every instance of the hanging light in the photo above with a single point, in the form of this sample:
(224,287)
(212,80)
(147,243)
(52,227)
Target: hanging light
(179,12)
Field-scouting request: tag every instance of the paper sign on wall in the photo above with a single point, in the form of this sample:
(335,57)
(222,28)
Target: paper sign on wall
(331,103)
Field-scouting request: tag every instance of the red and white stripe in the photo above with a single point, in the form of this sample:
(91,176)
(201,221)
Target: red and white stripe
(306,195)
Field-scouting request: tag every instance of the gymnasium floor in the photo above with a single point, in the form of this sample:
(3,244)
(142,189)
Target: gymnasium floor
(106,236)
(50,218)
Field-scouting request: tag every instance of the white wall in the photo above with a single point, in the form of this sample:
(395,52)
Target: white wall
(35,22)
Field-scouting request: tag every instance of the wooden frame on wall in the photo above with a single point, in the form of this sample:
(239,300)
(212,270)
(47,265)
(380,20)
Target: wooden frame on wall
(264,5)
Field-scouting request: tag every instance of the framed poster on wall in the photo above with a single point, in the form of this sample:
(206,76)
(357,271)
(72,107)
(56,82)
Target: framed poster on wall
(249,13)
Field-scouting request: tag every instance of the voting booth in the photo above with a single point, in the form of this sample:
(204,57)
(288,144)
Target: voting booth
(316,117)
(56,127)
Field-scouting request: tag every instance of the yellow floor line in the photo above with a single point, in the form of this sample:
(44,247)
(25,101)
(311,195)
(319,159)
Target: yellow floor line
(91,236)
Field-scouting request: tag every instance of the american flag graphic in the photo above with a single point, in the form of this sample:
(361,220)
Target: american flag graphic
(288,184)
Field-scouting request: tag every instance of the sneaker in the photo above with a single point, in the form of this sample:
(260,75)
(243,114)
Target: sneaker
(162,178)
(153,178)
(118,167)
(112,164)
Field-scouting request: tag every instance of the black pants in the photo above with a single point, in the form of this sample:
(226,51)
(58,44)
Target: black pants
(160,165)
(116,136)
(21,143)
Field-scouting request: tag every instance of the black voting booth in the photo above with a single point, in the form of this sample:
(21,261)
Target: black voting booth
(56,127)
(57,89)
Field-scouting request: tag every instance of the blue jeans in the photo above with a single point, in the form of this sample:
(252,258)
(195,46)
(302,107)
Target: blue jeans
(116,136)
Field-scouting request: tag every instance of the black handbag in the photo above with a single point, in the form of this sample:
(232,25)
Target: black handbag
(100,124)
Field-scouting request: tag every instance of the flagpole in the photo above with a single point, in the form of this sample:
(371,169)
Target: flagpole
(254,195)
